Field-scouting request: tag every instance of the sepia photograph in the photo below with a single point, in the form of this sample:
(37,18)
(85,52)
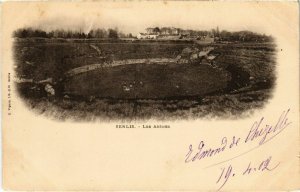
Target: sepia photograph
(86,72)
(150,95)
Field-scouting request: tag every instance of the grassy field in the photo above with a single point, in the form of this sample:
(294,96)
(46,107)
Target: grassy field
(241,83)
(55,58)
(148,81)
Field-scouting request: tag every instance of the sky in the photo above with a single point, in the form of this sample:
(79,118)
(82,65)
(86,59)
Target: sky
(134,17)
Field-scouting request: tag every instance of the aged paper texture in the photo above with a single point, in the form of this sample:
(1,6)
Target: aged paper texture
(144,95)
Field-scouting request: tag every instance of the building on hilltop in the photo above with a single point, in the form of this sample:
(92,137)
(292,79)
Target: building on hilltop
(146,36)
(150,30)
(165,31)
(169,31)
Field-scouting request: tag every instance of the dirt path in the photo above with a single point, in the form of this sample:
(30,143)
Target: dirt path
(91,67)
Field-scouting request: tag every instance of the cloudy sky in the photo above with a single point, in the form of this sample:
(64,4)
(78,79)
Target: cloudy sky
(135,16)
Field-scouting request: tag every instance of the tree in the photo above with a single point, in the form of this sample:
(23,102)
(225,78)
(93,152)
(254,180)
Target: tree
(91,34)
(113,34)
(156,30)
(101,33)
(217,32)
(20,33)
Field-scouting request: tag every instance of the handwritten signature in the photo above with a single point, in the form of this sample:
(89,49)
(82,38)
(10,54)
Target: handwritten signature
(229,171)
(260,132)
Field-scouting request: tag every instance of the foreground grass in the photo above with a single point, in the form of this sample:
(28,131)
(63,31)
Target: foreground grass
(217,106)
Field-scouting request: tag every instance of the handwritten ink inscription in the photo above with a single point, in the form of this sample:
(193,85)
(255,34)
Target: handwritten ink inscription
(259,134)
(229,172)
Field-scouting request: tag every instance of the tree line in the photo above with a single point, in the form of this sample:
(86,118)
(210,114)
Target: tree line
(241,36)
(244,36)
(60,33)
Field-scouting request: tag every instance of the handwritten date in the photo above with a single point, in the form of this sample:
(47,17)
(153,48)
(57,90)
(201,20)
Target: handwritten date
(229,172)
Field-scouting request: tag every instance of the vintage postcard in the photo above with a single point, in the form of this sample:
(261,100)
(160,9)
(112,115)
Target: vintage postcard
(150,95)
